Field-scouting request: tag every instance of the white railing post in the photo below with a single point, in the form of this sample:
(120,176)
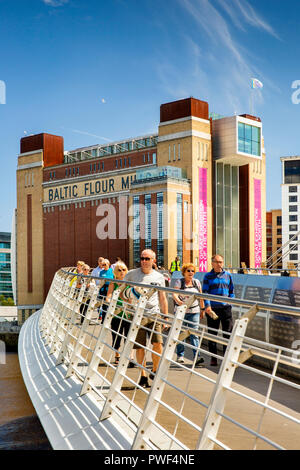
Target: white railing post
(70,323)
(100,343)
(151,407)
(213,416)
(118,378)
(83,331)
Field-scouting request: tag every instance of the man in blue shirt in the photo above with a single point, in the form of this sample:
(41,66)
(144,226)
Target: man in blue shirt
(218,282)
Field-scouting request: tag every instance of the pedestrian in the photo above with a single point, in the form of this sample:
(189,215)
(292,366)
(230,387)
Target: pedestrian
(193,313)
(218,282)
(89,285)
(120,323)
(157,303)
(106,272)
(96,271)
(175,265)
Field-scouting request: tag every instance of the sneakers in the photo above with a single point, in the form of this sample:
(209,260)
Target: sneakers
(152,375)
(180,360)
(199,361)
(213,361)
(144,382)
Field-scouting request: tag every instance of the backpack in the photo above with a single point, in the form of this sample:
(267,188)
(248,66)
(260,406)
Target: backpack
(195,284)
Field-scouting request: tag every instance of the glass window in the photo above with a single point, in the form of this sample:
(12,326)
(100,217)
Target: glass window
(293,199)
(248,139)
(293,189)
(279,231)
(160,228)
(279,220)
(293,228)
(294,237)
(293,218)
(279,241)
(293,256)
(292,171)
(294,247)
(154,158)
(293,208)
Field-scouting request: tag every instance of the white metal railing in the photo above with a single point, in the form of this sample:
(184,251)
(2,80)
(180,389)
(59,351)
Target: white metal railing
(186,407)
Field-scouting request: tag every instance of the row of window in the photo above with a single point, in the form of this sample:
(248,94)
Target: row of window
(99,166)
(173,154)
(79,205)
(248,139)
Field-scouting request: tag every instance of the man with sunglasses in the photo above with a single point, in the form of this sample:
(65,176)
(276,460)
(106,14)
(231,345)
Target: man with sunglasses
(218,282)
(156,303)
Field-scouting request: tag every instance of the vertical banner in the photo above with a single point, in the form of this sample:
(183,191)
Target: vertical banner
(257,224)
(203,220)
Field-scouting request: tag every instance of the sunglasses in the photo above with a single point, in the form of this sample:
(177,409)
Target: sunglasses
(190,271)
(121,269)
(143,258)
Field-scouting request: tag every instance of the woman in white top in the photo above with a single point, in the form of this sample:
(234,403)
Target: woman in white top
(193,313)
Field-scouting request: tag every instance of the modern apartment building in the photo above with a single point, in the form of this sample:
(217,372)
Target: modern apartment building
(290,209)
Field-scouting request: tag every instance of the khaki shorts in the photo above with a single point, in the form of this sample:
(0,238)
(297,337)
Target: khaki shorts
(142,334)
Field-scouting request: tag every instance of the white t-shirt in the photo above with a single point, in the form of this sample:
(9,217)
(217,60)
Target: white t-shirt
(154,278)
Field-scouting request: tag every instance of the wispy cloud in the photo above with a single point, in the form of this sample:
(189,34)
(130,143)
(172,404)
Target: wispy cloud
(55,3)
(219,59)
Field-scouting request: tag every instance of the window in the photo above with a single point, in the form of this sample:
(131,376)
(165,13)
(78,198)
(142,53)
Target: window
(292,189)
(293,228)
(279,220)
(293,208)
(178,151)
(294,237)
(279,231)
(293,199)
(248,139)
(279,241)
(154,158)
(293,256)
(293,218)
(294,247)
(160,229)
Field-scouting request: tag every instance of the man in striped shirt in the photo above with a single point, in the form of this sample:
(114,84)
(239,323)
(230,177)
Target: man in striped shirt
(218,282)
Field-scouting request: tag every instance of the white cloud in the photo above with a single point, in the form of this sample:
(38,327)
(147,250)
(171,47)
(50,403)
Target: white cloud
(55,3)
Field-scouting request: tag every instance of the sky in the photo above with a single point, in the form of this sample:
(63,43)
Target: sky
(96,71)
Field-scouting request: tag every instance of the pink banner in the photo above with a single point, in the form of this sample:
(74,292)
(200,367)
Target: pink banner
(203,219)
(257,224)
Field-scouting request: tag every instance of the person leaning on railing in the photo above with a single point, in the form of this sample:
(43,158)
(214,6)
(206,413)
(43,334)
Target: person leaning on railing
(89,284)
(218,282)
(120,323)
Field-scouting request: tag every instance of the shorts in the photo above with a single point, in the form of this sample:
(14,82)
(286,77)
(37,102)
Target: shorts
(142,334)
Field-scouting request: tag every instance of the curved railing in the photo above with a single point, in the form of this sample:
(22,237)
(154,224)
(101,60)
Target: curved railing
(235,405)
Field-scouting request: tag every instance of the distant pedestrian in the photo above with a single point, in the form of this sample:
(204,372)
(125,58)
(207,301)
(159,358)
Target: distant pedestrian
(175,265)
(218,282)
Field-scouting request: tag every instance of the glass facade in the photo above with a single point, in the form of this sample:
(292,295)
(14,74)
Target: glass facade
(160,234)
(179,226)
(292,172)
(148,238)
(136,230)
(249,139)
(227,213)
(5,266)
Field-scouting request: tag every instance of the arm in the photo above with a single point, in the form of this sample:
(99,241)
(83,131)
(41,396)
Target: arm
(163,302)
(176,297)
(109,292)
(231,288)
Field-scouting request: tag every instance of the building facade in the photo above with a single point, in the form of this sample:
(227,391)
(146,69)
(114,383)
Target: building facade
(194,188)
(5,265)
(274,238)
(290,192)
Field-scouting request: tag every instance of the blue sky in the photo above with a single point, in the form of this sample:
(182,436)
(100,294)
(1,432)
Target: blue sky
(94,71)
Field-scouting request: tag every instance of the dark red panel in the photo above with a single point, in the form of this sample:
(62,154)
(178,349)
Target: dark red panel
(184,108)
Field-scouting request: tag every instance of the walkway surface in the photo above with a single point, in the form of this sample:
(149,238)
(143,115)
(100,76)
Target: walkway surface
(72,421)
